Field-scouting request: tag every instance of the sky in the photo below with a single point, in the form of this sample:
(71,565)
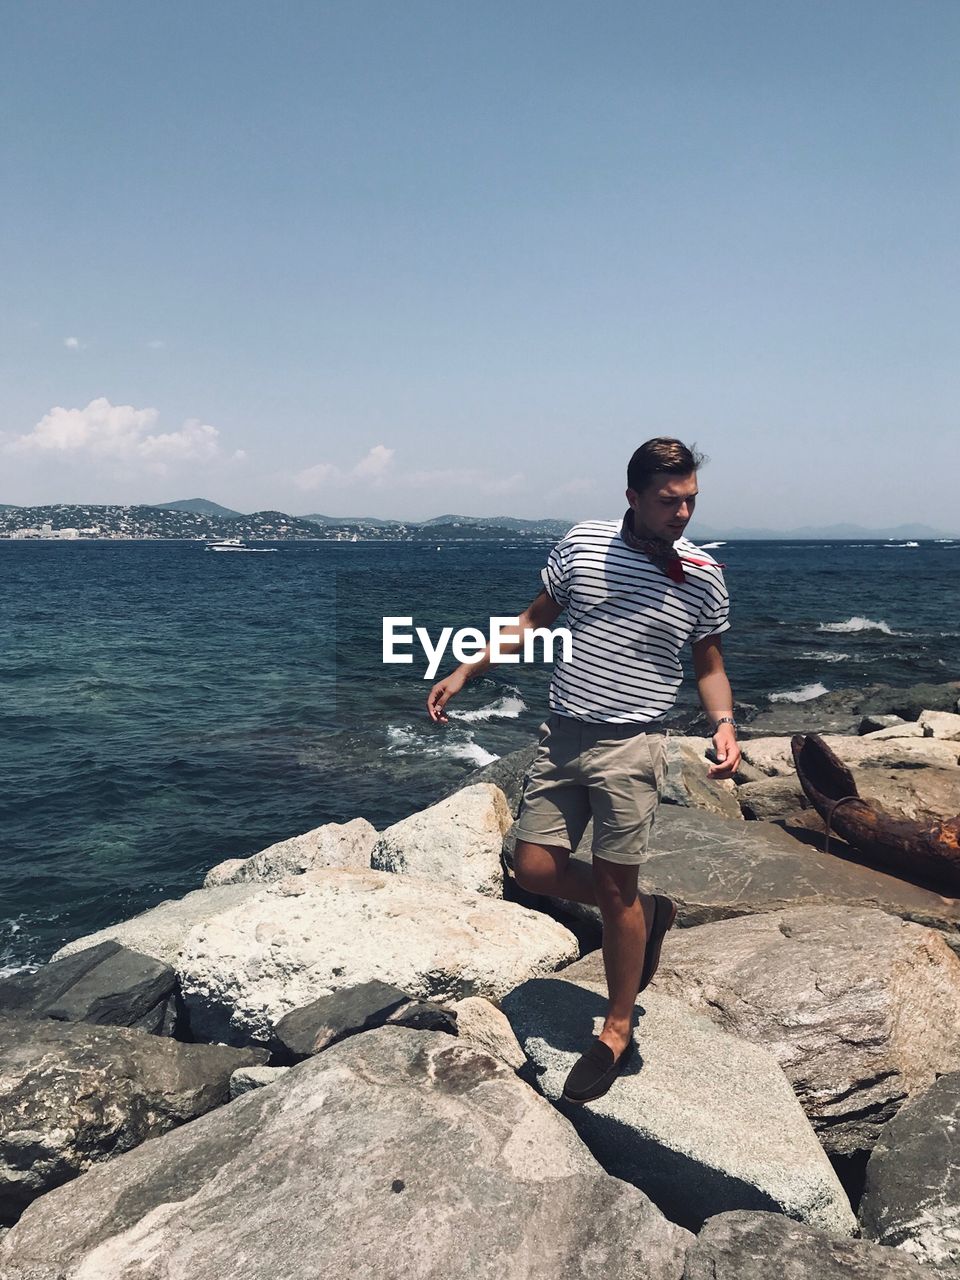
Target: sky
(409,259)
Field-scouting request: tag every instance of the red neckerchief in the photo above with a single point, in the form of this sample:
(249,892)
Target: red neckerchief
(661,551)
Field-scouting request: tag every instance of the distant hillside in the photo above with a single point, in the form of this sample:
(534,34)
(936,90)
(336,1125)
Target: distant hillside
(199,507)
(340,521)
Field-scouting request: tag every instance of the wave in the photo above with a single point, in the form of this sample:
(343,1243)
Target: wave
(901,544)
(799,695)
(825,655)
(506,708)
(462,747)
(857,624)
(706,546)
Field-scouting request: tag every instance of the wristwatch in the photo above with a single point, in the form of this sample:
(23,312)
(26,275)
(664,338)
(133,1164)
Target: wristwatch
(726,720)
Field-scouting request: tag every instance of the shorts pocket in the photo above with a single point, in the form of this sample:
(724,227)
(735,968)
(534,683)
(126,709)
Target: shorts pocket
(658,759)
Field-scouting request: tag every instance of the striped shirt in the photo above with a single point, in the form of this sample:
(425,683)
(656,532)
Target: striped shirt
(628,622)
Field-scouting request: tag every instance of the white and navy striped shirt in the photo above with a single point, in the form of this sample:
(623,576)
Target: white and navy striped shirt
(628,621)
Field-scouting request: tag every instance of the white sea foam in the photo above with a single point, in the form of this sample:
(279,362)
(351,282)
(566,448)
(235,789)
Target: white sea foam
(825,655)
(857,624)
(460,745)
(799,695)
(468,751)
(11,970)
(506,708)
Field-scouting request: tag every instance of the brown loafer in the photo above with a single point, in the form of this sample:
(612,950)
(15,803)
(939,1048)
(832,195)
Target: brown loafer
(664,914)
(595,1071)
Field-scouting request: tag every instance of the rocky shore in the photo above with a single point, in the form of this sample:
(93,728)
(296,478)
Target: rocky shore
(344,1055)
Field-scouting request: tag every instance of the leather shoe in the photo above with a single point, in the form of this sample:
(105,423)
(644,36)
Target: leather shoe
(595,1071)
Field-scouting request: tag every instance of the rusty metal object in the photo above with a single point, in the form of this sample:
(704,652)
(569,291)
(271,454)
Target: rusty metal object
(927,851)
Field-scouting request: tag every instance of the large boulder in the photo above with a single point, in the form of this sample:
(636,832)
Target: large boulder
(715,869)
(335,844)
(911,1197)
(941,724)
(859,1008)
(703,1122)
(768,1246)
(72,1094)
(311,935)
(455,842)
(105,984)
(771,797)
(160,932)
(395,1153)
(923,794)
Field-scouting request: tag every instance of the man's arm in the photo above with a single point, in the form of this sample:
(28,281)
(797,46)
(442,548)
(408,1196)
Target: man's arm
(716,698)
(543,611)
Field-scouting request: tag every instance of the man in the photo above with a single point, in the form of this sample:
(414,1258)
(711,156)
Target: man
(635,592)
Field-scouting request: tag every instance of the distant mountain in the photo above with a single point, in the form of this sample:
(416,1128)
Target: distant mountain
(822,533)
(342,520)
(199,507)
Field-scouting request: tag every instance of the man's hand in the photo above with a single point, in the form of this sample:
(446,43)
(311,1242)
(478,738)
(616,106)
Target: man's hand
(728,753)
(440,695)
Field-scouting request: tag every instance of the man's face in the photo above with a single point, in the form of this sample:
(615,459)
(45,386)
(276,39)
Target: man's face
(665,507)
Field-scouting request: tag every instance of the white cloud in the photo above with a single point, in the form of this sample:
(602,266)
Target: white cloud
(156,344)
(118,433)
(72,344)
(372,467)
(316,477)
(375,464)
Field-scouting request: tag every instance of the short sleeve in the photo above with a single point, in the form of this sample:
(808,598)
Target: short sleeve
(555,575)
(714,616)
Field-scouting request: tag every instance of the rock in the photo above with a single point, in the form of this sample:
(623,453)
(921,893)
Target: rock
(769,1246)
(941,724)
(771,797)
(247,1078)
(869,724)
(686,780)
(774,757)
(859,1008)
(904,729)
(481,1024)
(335,844)
(506,772)
(456,841)
(311,935)
(351,1010)
(705,1122)
(715,869)
(919,794)
(107,984)
(911,1198)
(393,1154)
(160,932)
(72,1094)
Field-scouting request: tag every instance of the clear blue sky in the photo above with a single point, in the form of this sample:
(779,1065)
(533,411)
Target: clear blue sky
(404,259)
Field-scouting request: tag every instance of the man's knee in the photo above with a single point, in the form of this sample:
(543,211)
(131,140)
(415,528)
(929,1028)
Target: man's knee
(615,885)
(536,866)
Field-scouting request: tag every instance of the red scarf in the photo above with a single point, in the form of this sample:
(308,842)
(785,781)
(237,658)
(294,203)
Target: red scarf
(660,550)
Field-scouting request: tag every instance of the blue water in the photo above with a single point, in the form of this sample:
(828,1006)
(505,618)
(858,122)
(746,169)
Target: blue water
(162,708)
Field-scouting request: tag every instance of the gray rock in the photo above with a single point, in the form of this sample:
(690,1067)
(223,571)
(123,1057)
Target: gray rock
(72,1094)
(771,798)
(686,779)
(923,795)
(506,772)
(241,971)
(335,844)
(106,984)
(941,724)
(391,1155)
(456,841)
(700,1120)
(715,869)
(351,1010)
(482,1024)
(774,757)
(859,1008)
(160,932)
(870,724)
(911,1198)
(770,1246)
(247,1078)
(904,729)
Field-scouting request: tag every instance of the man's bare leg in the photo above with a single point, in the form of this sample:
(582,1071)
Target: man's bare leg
(627,919)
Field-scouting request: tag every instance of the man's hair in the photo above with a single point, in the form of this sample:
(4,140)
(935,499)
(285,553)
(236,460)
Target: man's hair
(662,453)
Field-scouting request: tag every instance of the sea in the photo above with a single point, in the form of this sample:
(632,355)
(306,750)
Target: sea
(163,708)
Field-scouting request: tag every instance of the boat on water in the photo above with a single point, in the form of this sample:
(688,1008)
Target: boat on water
(235,544)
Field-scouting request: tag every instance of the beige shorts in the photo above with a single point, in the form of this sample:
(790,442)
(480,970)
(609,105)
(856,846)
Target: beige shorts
(612,772)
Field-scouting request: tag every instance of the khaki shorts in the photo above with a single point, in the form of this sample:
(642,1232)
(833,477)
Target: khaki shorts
(612,772)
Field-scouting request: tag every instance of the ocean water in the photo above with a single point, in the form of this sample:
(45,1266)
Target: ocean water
(162,708)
